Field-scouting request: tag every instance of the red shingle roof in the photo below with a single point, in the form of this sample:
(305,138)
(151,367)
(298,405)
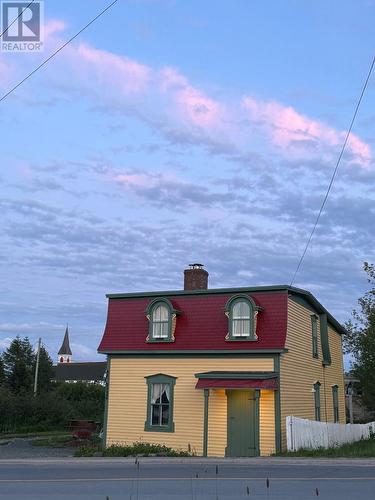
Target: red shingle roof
(202,324)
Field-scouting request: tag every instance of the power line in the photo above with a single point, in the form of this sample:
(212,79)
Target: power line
(335,171)
(57,51)
(16,19)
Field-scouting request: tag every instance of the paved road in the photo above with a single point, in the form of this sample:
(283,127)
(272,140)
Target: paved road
(183,479)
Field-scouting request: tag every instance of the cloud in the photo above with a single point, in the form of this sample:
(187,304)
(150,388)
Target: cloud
(25,328)
(288,128)
(186,114)
(5,343)
(81,351)
(169,191)
(53,27)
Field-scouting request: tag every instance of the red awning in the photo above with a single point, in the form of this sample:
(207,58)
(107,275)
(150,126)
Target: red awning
(216,383)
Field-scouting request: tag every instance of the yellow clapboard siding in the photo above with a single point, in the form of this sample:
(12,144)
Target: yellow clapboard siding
(127,403)
(267,423)
(299,370)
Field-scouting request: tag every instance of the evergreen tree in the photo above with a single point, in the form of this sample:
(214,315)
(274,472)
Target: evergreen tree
(45,372)
(360,341)
(2,374)
(18,362)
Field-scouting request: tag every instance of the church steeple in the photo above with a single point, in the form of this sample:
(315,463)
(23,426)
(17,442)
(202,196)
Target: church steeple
(65,353)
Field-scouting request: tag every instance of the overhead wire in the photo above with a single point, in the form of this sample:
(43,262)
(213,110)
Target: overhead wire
(16,19)
(4,96)
(334,172)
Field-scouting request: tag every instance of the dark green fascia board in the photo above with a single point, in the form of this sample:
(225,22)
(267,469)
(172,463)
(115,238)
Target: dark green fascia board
(310,302)
(292,290)
(237,375)
(211,352)
(208,291)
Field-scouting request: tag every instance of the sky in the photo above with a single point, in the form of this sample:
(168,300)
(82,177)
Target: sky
(172,132)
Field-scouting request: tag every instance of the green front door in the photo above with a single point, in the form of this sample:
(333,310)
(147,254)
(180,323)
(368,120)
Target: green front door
(242,424)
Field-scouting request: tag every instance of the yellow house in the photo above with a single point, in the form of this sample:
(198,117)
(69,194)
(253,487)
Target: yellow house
(216,371)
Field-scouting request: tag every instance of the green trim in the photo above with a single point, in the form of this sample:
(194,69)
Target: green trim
(105,421)
(324,339)
(314,335)
(149,314)
(160,378)
(257,418)
(241,297)
(209,291)
(307,300)
(335,402)
(317,401)
(263,353)
(277,402)
(205,422)
(237,375)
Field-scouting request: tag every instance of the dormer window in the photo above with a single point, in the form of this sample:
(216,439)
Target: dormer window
(241,311)
(162,319)
(160,322)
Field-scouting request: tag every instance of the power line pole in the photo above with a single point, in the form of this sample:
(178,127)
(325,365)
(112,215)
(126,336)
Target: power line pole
(37,367)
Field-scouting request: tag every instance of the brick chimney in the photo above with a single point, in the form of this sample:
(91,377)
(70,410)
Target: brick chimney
(195,277)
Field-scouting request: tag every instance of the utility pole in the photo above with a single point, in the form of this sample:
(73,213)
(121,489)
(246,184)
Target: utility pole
(350,396)
(37,368)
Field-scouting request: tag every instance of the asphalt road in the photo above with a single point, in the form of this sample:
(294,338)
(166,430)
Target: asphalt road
(193,479)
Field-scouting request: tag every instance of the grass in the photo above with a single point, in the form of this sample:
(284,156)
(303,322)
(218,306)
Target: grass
(135,450)
(360,449)
(55,441)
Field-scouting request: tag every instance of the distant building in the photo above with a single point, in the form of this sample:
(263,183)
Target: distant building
(65,353)
(90,372)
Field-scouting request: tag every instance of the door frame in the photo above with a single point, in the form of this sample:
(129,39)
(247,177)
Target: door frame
(256,419)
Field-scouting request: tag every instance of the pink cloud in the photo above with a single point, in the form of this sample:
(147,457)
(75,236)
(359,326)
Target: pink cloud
(126,74)
(287,128)
(136,180)
(193,104)
(52,27)
(167,101)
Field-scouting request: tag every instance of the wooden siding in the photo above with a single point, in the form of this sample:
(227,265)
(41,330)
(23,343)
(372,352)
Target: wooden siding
(128,400)
(267,423)
(299,370)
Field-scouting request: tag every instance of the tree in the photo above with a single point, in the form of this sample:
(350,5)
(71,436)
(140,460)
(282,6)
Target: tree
(360,341)
(2,374)
(45,372)
(18,362)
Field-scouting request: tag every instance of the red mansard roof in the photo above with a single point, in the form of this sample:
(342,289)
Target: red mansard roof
(201,324)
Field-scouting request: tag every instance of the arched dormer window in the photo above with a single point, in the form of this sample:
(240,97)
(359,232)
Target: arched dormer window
(162,318)
(241,311)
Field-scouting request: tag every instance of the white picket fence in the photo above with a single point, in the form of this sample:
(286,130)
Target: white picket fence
(309,434)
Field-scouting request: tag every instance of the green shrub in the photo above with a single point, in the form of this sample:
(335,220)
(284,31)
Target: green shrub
(143,449)
(23,412)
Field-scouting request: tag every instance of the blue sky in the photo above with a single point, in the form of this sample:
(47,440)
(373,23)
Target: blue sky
(172,132)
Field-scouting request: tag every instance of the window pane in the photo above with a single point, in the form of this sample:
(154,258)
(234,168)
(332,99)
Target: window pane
(165,415)
(241,327)
(164,329)
(155,393)
(165,394)
(160,313)
(241,310)
(155,415)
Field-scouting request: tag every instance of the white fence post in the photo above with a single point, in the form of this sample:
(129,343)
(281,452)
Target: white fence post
(311,435)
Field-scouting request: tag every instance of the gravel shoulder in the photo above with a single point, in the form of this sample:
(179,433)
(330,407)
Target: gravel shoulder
(22,448)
